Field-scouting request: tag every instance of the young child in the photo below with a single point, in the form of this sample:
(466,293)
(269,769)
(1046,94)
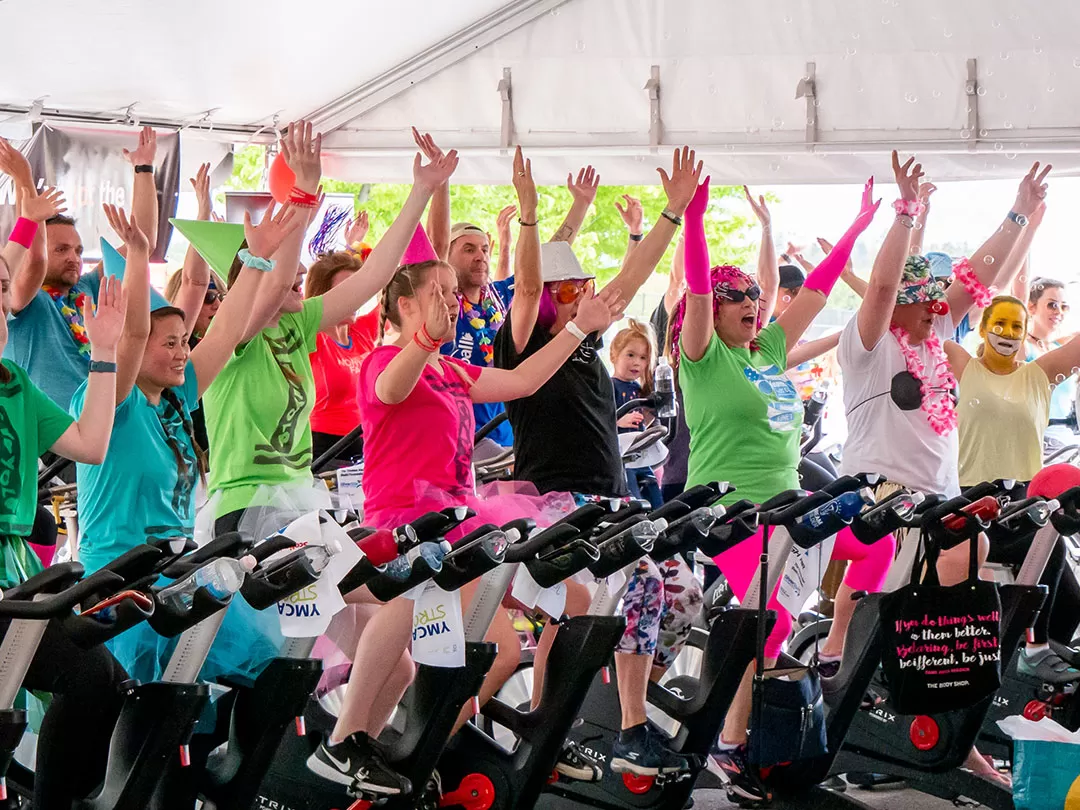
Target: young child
(633,355)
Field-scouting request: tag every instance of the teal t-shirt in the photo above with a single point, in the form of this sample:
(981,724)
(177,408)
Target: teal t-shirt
(140,491)
(744,416)
(41,341)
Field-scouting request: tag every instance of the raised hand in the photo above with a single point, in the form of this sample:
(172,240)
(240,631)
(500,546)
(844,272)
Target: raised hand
(105,324)
(40,207)
(700,200)
(427,145)
(265,238)
(201,183)
(523,181)
(14,164)
(583,190)
(827,247)
(868,208)
(502,224)
(438,321)
(597,312)
(357,229)
(303,153)
(793,250)
(926,191)
(681,185)
(633,216)
(126,228)
(433,175)
(146,151)
(907,177)
(761,210)
(1032,190)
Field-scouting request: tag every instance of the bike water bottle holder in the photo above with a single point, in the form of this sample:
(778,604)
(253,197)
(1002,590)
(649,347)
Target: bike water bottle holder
(170,621)
(728,535)
(384,588)
(552,568)
(474,556)
(1067,518)
(232,544)
(617,553)
(279,580)
(434,525)
(87,632)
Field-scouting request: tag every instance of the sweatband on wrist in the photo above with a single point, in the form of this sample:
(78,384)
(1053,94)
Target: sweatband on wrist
(24,232)
(911,208)
(256,262)
(636,237)
(303,199)
(575,330)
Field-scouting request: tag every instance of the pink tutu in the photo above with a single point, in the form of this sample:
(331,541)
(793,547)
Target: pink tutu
(498,503)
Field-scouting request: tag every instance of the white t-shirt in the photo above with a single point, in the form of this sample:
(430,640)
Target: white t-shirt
(882,437)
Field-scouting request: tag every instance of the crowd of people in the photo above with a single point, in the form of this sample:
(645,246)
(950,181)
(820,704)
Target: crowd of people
(241,382)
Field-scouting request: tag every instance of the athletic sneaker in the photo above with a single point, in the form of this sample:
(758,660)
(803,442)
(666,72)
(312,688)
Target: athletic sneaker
(827,667)
(743,786)
(357,766)
(432,794)
(1047,666)
(640,751)
(574,763)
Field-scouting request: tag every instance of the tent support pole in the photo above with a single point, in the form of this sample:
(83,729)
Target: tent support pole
(971,89)
(656,123)
(807,89)
(507,136)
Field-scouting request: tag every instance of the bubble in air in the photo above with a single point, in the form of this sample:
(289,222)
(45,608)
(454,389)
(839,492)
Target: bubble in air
(580,46)
(974,402)
(947,34)
(936,94)
(1010,155)
(995,23)
(981,91)
(1049,90)
(849,51)
(667,35)
(988,260)
(1035,37)
(885,21)
(998,330)
(554,12)
(1076,62)
(1060,378)
(1038,51)
(918,225)
(855,35)
(983,133)
(713,89)
(965,134)
(998,146)
(911,98)
(778,123)
(1004,55)
(787,19)
(774,166)
(1007,124)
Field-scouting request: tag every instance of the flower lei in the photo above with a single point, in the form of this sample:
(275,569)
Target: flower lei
(938,404)
(70,307)
(485,318)
(979,293)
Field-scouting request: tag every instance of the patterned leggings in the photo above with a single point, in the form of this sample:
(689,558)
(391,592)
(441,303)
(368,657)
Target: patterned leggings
(660,605)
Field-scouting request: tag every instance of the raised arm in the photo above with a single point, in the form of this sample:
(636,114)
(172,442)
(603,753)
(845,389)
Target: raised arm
(697,327)
(195,278)
(633,217)
(399,378)
(27,279)
(231,323)
(1059,363)
(28,238)
(680,187)
(584,192)
(821,280)
(132,345)
(502,231)
(144,201)
(528,275)
(438,220)
(87,439)
(350,295)
(856,284)
(768,271)
(875,312)
(812,349)
(926,191)
(676,278)
(988,259)
(595,314)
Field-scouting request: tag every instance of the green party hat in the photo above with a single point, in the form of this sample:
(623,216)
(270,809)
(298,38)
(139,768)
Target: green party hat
(217,242)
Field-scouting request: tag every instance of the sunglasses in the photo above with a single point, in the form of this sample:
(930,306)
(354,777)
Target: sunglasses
(569,291)
(753,292)
(212,296)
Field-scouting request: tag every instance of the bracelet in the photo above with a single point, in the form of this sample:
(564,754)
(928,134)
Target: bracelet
(905,220)
(671,217)
(303,199)
(911,208)
(426,347)
(24,232)
(525,224)
(636,237)
(575,330)
(257,262)
(428,337)
(144,168)
(102,367)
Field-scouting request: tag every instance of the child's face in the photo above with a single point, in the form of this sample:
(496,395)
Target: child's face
(632,361)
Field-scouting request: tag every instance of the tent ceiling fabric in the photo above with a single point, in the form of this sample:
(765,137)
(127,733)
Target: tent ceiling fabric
(885,73)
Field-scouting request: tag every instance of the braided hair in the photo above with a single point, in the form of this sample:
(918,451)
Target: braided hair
(404,284)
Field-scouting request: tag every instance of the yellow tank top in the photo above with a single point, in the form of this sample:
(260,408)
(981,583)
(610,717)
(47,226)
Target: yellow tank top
(1001,419)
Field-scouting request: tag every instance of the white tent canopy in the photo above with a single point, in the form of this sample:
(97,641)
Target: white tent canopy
(775,92)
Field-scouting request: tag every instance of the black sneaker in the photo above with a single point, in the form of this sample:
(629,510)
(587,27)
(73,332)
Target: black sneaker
(574,763)
(743,786)
(356,766)
(827,669)
(1047,666)
(642,752)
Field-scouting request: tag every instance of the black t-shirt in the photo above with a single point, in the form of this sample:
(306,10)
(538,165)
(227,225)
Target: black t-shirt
(564,434)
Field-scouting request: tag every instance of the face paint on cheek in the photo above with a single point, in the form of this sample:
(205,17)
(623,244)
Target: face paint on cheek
(1006,347)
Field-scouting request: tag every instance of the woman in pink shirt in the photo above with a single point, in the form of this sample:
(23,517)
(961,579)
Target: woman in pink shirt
(416,410)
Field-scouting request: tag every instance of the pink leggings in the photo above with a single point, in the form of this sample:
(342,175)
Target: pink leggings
(867,572)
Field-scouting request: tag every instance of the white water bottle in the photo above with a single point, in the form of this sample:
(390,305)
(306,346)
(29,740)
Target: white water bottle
(221,578)
(664,385)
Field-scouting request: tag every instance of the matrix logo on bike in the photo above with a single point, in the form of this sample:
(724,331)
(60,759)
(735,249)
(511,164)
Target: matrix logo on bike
(301,604)
(430,622)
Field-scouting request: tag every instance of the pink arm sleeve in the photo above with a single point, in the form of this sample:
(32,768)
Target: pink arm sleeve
(824,277)
(696,249)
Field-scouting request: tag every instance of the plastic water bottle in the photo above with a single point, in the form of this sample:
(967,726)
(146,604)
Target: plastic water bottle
(664,385)
(836,512)
(221,578)
(399,568)
(319,556)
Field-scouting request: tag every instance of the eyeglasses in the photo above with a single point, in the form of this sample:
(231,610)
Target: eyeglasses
(753,292)
(212,296)
(569,291)
(1057,306)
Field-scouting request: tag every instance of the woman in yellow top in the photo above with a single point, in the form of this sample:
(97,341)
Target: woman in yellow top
(1002,412)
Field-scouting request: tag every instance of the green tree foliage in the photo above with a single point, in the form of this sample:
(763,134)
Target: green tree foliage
(600,246)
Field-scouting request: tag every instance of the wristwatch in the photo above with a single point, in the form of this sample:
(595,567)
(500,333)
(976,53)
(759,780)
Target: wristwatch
(1019,219)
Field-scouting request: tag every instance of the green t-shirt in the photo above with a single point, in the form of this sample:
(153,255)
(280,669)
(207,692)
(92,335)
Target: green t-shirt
(258,411)
(744,417)
(30,423)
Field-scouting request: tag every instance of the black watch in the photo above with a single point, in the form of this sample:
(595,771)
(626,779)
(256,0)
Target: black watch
(1019,219)
(144,168)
